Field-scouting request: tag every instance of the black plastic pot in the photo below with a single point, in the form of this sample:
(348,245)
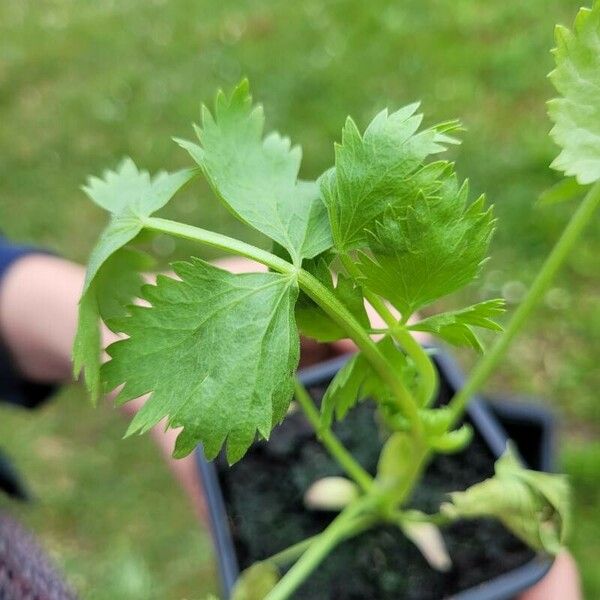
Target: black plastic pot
(530,427)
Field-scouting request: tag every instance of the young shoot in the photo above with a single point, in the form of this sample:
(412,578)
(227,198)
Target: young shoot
(390,223)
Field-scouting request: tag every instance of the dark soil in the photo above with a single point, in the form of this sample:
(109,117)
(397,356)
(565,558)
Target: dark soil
(263,496)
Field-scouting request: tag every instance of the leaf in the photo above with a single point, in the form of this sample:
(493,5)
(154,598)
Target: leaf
(256,581)
(429,248)
(86,346)
(452,441)
(456,327)
(381,168)
(117,283)
(576,113)
(533,505)
(331,494)
(345,390)
(395,460)
(313,321)
(356,381)
(216,351)
(129,195)
(565,190)
(257,178)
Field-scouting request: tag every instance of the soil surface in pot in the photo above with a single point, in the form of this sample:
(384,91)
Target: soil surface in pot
(264,499)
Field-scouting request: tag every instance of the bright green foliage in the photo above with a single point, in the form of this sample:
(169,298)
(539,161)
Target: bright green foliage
(313,321)
(437,423)
(357,380)
(456,327)
(576,114)
(429,248)
(395,460)
(117,283)
(216,351)
(382,168)
(452,441)
(533,505)
(256,582)
(258,178)
(129,195)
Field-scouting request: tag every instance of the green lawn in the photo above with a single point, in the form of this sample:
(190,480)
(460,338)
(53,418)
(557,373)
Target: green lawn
(83,83)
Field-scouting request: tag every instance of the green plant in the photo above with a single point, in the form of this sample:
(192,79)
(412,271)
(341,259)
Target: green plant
(217,352)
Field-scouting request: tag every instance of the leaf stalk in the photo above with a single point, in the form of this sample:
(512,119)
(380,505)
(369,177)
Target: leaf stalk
(540,285)
(331,442)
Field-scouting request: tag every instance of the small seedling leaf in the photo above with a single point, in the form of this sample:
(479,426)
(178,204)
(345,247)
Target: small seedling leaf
(533,505)
(456,327)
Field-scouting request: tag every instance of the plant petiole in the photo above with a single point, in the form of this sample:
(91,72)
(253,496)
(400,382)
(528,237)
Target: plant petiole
(556,258)
(330,441)
(345,525)
(313,288)
(427,372)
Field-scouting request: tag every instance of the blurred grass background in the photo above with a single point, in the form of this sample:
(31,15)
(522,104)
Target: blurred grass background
(84,83)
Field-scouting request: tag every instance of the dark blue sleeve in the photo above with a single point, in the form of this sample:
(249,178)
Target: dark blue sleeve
(14,388)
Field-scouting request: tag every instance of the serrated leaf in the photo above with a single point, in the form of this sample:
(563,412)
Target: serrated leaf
(565,190)
(119,281)
(429,248)
(381,168)
(129,195)
(356,381)
(576,113)
(533,505)
(313,321)
(345,389)
(216,351)
(456,327)
(256,581)
(257,178)
(116,284)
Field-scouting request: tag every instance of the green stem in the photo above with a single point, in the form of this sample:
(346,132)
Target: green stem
(292,553)
(222,242)
(313,288)
(337,311)
(399,494)
(344,525)
(541,283)
(424,364)
(330,441)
